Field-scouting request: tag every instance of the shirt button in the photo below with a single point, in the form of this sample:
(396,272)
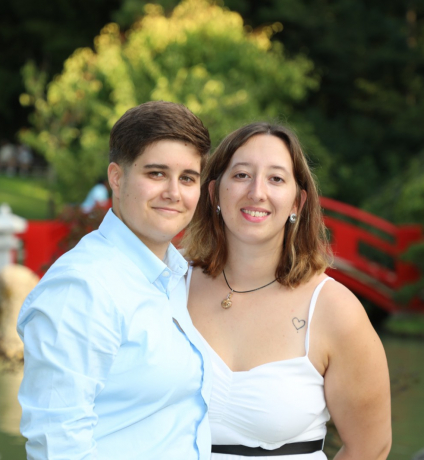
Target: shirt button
(165,274)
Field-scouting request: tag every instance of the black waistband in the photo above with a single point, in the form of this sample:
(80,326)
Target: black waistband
(294,448)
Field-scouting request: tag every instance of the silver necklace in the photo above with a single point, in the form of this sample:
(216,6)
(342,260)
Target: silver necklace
(226,303)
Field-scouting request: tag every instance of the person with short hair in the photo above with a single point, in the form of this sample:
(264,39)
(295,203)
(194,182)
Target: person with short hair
(289,345)
(114,368)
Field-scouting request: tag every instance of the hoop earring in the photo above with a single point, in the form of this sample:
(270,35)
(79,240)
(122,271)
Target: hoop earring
(218,210)
(293,218)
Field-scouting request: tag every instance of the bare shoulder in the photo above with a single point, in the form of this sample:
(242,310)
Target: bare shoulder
(341,319)
(340,307)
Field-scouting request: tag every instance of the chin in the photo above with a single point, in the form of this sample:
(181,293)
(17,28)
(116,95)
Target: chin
(258,239)
(169,234)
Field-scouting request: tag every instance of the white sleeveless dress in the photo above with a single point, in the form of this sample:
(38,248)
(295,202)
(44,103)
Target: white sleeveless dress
(270,405)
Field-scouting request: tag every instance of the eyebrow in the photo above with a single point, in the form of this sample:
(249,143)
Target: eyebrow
(282,168)
(159,166)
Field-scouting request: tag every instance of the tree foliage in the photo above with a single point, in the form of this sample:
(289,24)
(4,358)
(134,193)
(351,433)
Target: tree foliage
(368,111)
(46,33)
(201,55)
(401,201)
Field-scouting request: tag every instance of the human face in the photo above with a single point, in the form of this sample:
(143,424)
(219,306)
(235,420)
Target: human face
(157,195)
(257,192)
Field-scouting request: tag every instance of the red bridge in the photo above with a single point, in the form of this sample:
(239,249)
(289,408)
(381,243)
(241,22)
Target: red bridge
(367,251)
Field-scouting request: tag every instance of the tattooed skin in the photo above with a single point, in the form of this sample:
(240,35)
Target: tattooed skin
(298,323)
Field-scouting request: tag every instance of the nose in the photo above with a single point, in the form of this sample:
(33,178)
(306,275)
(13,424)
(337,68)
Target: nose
(257,190)
(172,190)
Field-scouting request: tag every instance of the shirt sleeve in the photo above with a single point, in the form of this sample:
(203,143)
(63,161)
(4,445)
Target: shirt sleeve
(71,334)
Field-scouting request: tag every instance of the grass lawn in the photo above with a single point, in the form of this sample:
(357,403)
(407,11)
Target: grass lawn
(28,197)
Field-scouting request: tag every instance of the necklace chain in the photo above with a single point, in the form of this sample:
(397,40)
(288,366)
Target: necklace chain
(226,303)
(245,292)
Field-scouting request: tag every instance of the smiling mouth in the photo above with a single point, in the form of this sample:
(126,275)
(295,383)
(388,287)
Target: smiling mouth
(256,213)
(167,209)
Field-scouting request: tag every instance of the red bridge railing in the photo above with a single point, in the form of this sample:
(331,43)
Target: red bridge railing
(357,237)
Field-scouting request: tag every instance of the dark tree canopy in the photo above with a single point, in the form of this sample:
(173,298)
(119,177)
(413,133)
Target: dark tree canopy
(47,33)
(369,108)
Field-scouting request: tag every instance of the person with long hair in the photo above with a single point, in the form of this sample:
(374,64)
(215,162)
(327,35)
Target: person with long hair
(289,345)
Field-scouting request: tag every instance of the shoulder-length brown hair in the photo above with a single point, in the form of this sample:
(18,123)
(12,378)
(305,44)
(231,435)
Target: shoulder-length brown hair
(305,249)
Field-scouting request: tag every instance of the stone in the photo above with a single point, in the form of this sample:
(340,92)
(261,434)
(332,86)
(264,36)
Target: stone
(16,282)
(11,411)
(9,225)
(419,455)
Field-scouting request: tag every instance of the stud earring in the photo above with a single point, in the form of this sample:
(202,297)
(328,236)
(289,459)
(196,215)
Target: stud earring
(293,218)
(218,209)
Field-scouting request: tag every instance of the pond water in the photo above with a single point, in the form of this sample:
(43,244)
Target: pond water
(11,442)
(406,365)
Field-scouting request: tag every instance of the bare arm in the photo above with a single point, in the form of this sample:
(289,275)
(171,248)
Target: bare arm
(357,386)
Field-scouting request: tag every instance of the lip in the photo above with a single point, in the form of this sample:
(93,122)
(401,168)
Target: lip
(166,210)
(251,218)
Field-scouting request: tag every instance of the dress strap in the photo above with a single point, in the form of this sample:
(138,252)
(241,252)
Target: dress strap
(312,309)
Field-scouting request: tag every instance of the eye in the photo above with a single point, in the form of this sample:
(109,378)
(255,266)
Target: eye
(188,179)
(156,174)
(277,179)
(241,176)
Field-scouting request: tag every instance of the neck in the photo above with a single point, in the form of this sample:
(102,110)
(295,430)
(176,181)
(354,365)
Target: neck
(158,248)
(250,266)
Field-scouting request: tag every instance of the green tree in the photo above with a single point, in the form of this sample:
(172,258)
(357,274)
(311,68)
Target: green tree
(201,55)
(368,110)
(401,201)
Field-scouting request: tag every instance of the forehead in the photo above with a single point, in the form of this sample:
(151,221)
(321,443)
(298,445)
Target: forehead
(168,150)
(263,150)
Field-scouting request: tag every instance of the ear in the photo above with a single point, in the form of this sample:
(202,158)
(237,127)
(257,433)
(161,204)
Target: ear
(211,189)
(115,174)
(303,195)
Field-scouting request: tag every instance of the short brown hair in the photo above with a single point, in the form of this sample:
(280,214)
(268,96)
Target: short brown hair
(152,122)
(305,248)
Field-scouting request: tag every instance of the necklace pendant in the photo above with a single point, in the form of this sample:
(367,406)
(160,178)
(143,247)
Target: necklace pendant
(226,303)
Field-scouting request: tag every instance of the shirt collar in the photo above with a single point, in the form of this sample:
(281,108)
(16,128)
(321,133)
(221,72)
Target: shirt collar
(114,230)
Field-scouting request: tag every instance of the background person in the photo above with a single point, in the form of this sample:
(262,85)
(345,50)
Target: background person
(24,159)
(113,368)
(98,195)
(8,154)
(289,345)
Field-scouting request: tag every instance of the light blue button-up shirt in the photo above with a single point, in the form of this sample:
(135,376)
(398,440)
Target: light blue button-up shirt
(113,365)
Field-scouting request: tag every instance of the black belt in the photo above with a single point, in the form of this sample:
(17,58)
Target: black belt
(294,448)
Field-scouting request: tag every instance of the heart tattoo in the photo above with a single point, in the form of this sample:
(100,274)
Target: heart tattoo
(298,323)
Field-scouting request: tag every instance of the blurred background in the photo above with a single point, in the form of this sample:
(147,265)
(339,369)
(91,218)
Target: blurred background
(346,75)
